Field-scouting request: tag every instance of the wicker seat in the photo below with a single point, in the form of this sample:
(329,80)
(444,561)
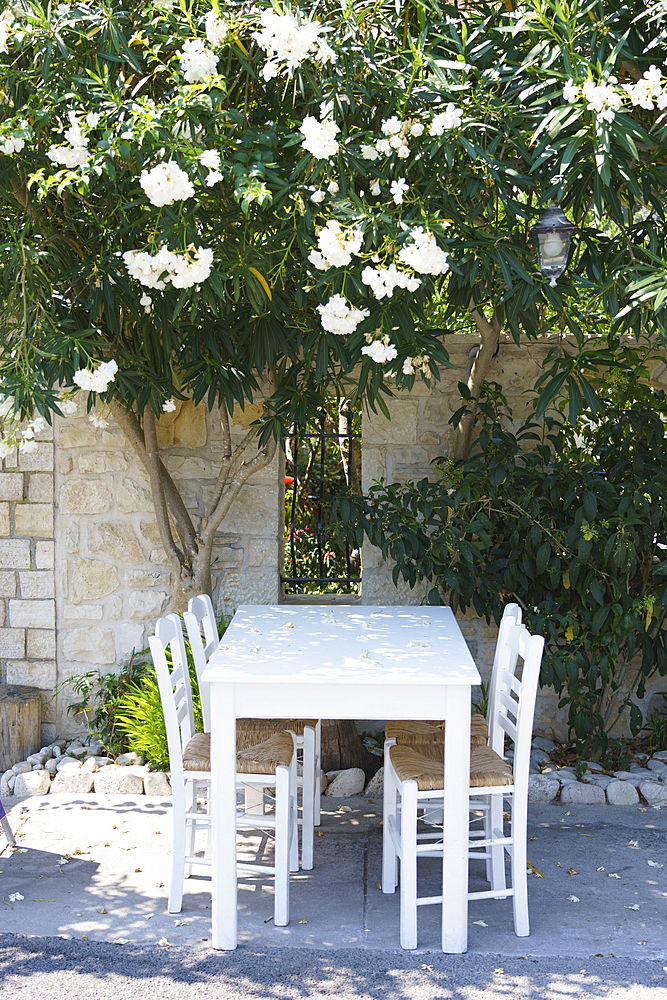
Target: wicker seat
(264,764)
(409,732)
(413,790)
(203,637)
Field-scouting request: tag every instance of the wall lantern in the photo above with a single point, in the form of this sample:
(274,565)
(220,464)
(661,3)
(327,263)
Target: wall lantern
(552,236)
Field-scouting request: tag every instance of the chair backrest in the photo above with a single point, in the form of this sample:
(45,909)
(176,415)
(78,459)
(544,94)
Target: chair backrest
(174,683)
(511,616)
(203,637)
(514,699)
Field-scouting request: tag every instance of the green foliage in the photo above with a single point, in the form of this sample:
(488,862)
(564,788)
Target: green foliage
(656,726)
(140,718)
(569,522)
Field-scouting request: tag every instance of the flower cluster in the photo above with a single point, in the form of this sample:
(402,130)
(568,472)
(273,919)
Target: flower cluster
(197,61)
(397,189)
(603,98)
(286,41)
(6,19)
(383,280)
(424,255)
(320,137)
(182,270)
(448,119)
(76,153)
(647,93)
(98,380)
(166,183)
(168,406)
(336,246)
(379,349)
(68,407)
(420,363)
(216,29)
(340,318)
(12,144)
(97,420)
(396,135)
(210,159)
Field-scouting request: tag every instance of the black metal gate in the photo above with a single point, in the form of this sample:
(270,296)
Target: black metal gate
(309,550)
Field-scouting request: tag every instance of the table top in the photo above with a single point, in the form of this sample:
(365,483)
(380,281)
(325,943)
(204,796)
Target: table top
(318,644)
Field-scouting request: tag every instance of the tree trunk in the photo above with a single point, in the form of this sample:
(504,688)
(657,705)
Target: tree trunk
(490,333)
(342,748)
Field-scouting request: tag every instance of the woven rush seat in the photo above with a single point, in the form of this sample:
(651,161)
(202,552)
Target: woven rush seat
(252,731)
(424,764)
(262,758)
(408,732)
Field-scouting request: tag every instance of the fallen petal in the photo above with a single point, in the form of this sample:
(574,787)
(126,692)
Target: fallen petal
(480,923)
(613,875)
(573,899)
(634,907)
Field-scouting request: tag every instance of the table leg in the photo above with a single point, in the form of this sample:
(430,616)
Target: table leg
(455,822)
(223,817)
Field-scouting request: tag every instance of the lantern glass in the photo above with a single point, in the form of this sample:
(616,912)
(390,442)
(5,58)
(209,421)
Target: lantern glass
(552,236)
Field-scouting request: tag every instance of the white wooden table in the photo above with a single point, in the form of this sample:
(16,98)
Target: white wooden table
(341,662)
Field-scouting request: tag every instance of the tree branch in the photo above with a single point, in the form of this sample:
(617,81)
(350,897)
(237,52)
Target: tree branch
(246,470)
(490,333)
(157,488)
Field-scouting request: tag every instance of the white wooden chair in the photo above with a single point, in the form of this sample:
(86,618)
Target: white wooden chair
(414,777)
(271,764)
(203,637)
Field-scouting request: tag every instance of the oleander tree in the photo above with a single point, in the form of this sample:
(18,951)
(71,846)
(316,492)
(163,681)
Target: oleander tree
(235,202)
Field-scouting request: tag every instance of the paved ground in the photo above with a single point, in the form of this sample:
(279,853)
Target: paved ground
(111,885)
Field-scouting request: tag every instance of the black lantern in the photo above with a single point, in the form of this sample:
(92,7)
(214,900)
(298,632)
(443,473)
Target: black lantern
(552,236)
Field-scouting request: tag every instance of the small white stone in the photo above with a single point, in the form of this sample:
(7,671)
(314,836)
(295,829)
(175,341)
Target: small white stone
(653,791)
(4,782)
(73,781)
(580,794)
(542,788)
(21,767)
(51,765)
(89,765)
(376,785)
(654,765)
(67,763)
(157,783)
(129,758)
(543,743)
(57,752)
(660,755)
(115,780)
(32,783)
(622,793)
(348,783)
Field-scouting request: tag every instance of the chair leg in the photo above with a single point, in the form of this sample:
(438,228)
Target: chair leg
(308,799)
(494,819)
(389,816)
(408,879)
(294,814)
(519,816)
(284,827)
(318,769)
(175,901)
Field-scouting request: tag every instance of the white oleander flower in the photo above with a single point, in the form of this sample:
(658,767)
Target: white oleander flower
(12,144)
(68,407)
(97,421)
(375,187)
(191,270)
(197,61)
(216,29)
(383,146)
(423,254)
(147,302)
(92,119)
(397,189)
(448,119)
(416,129)
(380,350)
(288,42)
(340,318)
(420,363)
(392,126)
(317,196)
(318,261)
(6,20)
(68,156)
(383,280)
(6,406)
(333,187)
(210,159)
(98,380)
(213,178)
(602,98)
(320,137)
(368,152)
(166,184)
(648,92)
(570,92)
(337,245)
(168,406)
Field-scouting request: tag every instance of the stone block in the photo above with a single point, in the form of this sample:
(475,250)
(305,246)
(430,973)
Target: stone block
(76,435)
(653,791)
(48,732)
(139,579)
(128,637)
(84,496)
(40,487)
(132,497)
(157,783)
(12,643)
(96,462)
(32,783)
(74,612)
(402,429)
(256,507)
(184,427)
(147,603)
(7,584)
(4,519)
(11,486)
(114,607)
(34,673)
(91,579)
(2,613)
(14,553)
(44,555)
(621,793)
(39,460)
(32,614)
(73,780)
(261,552)
(41,644)
(89,645)
(115,780)
(189,467)
(578,794)
(347,783)
(118,541)
(250,587)
(37,585)
(34,520)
